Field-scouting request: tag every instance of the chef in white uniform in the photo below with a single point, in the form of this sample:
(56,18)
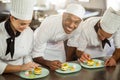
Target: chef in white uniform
(99,37)
(54,30)
(16,38)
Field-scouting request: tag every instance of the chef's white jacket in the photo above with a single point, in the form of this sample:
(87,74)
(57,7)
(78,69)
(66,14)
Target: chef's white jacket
(89,42)
(49,39)
(23,46)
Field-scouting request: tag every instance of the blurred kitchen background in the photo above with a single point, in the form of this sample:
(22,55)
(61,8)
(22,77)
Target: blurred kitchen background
(44,8)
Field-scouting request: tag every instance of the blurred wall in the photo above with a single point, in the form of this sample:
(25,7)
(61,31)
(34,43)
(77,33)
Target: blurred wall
(92,4)
(4,6)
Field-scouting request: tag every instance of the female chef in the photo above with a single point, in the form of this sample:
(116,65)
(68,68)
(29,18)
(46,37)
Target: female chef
(16,38)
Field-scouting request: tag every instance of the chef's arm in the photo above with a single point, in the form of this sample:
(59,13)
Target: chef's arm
(82,56)
(116,38)
(116,54)
(41,60)
(5,68)
(70,52)
(12,68)
(53,65)
(17,68)
(79,53)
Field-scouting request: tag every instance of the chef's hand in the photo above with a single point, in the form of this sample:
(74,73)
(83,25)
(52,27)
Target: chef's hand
(53,65)
(84,57)
(110,62)
(29,66)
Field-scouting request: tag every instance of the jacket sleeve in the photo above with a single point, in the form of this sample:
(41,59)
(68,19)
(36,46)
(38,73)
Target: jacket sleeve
(82,41)
(117,39)
(41,36)
(116,54)
(2,66)
(28,57)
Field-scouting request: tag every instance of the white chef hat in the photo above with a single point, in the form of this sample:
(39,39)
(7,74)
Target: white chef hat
(76,9)
(22,9)
(110,21)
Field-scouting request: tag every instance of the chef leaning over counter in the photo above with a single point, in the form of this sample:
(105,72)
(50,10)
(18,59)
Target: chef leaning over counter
(100,36)
(49,48)
(16,38)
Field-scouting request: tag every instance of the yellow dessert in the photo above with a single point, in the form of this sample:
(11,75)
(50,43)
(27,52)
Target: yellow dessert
(98,63)
(72,68)
(90,62)
(38,70)
(64,66)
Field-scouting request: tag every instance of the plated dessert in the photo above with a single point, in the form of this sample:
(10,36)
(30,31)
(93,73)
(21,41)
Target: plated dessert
(38,70)
(93,63)
(35,73)
(68,68)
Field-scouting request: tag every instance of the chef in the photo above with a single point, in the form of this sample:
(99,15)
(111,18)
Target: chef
(49,48)
(99,37)
(16,38)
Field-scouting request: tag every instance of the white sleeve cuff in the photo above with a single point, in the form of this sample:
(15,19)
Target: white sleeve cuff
(116,39)
(35,54)
(27,59)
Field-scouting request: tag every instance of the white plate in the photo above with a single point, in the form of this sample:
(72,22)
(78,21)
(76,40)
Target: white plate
(94,66)
(77,68)
(44,73)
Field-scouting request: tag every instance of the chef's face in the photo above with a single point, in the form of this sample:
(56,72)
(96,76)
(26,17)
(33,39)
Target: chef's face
(70,22)
(102,34)
(18,24)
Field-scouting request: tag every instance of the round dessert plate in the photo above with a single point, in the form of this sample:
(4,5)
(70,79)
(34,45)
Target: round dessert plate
(97,64)
(76,66)
(44,73)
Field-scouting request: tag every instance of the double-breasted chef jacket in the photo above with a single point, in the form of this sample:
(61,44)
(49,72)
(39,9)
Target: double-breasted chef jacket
(22,47)
(89,42)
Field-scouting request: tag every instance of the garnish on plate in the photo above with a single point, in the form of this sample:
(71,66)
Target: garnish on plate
(64,66)
(38,70)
